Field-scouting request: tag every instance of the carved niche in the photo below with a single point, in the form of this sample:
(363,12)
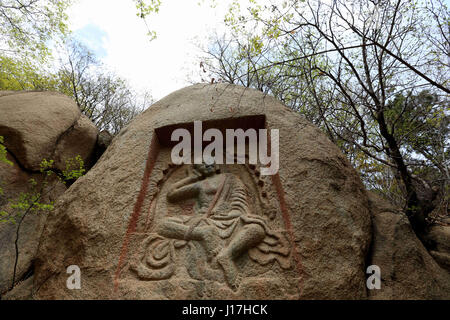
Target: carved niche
(209,222)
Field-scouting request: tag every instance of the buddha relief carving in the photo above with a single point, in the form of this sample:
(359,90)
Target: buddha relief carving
(208,239)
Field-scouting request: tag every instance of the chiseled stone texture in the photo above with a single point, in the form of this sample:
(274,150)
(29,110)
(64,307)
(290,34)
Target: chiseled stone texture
(408,271)
(45,125)
(15,181)
(35,126)
(328,224)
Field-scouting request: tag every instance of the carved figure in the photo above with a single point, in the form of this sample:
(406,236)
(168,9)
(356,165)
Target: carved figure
(222,224)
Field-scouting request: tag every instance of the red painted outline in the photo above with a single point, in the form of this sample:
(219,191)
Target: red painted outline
(288,225)
(286,218)
(153,153)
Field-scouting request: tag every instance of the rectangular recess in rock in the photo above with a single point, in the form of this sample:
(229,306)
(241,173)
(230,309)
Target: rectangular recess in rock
(256,122)
(195,224)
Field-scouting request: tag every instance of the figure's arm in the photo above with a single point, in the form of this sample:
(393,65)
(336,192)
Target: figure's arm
(228,215)
(184,189)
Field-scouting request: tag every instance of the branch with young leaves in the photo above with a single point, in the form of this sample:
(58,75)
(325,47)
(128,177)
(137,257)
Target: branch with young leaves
(35,200)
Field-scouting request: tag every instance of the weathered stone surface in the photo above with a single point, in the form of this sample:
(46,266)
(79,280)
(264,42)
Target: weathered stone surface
(104,139)
(35,126)
(80,139)
(22,291)
(115,222)
(7,92)
(14,181)
(440,237)
(407,269)
(44,125)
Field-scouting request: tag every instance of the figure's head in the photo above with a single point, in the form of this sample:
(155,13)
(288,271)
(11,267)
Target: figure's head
(205,169)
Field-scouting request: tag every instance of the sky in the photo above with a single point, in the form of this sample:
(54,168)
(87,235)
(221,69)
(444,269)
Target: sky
(119,38)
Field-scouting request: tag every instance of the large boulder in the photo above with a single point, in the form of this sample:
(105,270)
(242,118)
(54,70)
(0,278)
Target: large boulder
(303,233)
(35,126)
(408,271)
(45,125)
(439,236)
(26,231)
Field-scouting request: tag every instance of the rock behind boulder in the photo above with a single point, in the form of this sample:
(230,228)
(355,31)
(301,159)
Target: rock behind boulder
(35,126)
(44,125)
(408,271)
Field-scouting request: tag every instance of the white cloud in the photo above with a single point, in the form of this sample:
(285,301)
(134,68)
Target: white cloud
(162,65)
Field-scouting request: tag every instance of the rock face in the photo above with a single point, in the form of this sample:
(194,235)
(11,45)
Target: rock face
(103,141)
(35,126)
(440,236)
(140,227)
(14,181)
(408,271)
(22,291)
(45,125)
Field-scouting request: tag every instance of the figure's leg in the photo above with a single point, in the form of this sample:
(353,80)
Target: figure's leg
(210,241)
(207,235)
(250,236)
(174,230)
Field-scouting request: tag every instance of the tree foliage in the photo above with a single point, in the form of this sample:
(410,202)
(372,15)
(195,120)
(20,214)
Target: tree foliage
(373,75)
(27,26)
(18,74)
(146,8)
(102,96)
(35,200)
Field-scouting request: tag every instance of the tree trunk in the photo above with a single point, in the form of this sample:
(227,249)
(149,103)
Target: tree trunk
(416,210)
